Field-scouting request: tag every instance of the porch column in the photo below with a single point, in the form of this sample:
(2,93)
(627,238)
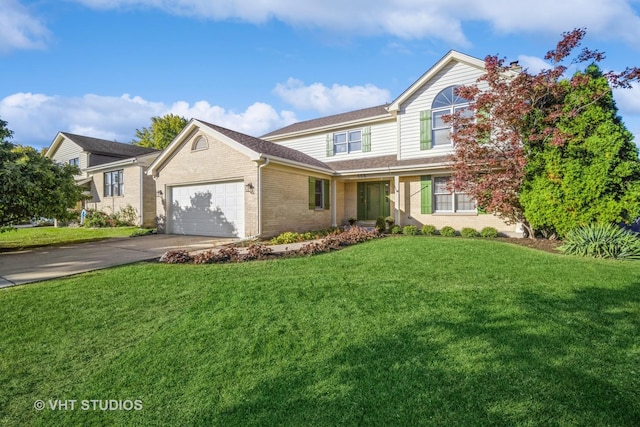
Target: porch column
(396,204)
(334,199)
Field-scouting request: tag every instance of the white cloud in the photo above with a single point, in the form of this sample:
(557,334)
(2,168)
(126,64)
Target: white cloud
(414,19)
(628,100)
(328,100)
(19,29)
(37,118)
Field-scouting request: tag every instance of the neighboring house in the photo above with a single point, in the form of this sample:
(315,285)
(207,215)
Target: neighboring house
(113,173)
(387,160)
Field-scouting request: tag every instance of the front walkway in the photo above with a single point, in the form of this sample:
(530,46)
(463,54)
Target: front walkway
(17,268)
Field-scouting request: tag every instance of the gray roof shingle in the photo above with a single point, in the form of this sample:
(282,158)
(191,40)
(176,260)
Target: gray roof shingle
(268,148)
(335,119)
(108,148)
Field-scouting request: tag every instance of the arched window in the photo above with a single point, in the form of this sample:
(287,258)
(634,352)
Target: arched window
(200,144)
(446,102)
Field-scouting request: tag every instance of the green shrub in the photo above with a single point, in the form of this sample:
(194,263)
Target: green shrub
(390,221)
(602,241)
(429,230)
(126,217)
(448,231)
(286,238)
(410,230)
(381,225)
(396,229)
(469,232)
(97,219)
(489,232)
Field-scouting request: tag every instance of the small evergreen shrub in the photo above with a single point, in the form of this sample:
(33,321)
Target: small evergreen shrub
(396,229)
(390,221)
(448,231)
(410,230)
(601,241)
(489,233)
(381,225)
(469,232)
(429,230)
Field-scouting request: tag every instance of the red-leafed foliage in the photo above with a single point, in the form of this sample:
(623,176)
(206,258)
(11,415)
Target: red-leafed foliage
(515,115)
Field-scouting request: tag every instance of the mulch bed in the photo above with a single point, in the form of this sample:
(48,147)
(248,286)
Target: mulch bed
(540,244)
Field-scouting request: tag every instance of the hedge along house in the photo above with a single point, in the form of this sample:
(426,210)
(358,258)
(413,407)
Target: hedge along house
(112,173)
(387,160)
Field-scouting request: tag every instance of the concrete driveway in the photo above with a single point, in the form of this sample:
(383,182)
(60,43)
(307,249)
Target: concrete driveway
(33,265)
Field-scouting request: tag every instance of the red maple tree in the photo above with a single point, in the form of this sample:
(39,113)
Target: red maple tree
(515,113)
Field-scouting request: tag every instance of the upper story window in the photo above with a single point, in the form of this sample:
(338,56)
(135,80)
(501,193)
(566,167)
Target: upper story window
(75,162)
(114,183)
(347,142)
(434,132)
(200,143)
(446,102)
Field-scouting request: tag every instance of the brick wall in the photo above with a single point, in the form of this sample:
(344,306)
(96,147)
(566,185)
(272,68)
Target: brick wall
(218,163)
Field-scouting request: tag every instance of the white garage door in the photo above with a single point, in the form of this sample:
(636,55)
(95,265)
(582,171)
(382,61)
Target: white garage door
(208,209)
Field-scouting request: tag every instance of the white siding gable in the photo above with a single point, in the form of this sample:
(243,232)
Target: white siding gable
(68,150)
(455,73)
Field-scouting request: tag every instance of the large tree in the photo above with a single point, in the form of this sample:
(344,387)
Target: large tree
(594,176)
(520,116)
(32,185)
(161,132)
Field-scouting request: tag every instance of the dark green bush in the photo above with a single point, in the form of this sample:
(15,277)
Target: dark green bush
(489,232)
(429,230)
(448,231)
(410,230)
(602,241)
(381,225)
(469,232)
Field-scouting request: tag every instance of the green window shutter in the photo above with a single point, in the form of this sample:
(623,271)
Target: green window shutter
(366,139)
(329,145)
(425,195)
(327,193)
(312,192)
(425,130)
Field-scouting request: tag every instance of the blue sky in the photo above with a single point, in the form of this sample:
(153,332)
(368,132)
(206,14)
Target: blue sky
(103,68)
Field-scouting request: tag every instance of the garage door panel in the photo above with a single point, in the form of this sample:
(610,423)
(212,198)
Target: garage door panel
(208,209)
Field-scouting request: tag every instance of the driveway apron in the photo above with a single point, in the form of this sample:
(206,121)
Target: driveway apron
(33,265)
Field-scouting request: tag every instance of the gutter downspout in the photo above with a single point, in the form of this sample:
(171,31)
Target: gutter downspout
(141,195)
(259,189)
(260,196)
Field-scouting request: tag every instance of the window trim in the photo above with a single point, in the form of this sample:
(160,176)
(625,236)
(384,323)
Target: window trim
(450,109)
(319,188)
(75,161)
(197,141)
(454,199)
(108,189)
(348,142)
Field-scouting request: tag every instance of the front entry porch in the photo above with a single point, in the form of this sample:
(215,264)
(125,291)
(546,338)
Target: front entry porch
(373,200)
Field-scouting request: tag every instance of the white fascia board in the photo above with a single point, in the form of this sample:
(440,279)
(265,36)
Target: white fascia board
(452,55)
(54,145)
(111,165)
(293,163)
(404,170)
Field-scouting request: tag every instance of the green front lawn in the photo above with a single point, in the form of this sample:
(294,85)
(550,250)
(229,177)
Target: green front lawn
(393,332)
(23,238)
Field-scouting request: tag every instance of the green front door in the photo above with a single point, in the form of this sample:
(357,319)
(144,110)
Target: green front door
(373,200)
